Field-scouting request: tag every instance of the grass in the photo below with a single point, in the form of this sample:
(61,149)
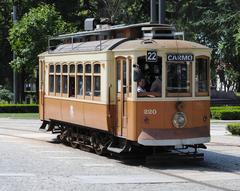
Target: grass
(20,115)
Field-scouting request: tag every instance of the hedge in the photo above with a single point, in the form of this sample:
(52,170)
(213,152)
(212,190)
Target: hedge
(18,108)
(226,108)
(234,128)
(226,112)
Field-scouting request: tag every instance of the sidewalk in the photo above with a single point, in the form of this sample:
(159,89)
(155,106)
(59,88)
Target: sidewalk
(224,121)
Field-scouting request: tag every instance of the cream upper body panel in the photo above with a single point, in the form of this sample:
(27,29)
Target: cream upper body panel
(158,44)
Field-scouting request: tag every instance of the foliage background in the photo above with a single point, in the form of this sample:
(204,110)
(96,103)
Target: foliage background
(214,23)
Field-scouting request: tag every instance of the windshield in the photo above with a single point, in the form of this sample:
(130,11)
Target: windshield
(178,78)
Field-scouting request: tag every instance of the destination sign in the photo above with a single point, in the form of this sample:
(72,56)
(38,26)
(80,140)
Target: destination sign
(180,57)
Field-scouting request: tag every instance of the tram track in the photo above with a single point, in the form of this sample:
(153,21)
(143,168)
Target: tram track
(192,180)
(16,129)
(29,138)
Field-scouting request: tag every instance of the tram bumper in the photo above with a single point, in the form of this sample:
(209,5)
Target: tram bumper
(174,137)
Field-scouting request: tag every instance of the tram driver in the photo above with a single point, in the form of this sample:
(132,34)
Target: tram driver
(141,86)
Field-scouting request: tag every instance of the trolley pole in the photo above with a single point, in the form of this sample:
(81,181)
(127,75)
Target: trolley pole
(162,12)
(15,89)
(153,11)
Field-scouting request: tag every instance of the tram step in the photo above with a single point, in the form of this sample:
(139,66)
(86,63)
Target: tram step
(43,126)
(116,148)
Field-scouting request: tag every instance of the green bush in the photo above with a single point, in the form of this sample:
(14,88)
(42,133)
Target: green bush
(226,112)
(18,108)
(5,95)
(234,128)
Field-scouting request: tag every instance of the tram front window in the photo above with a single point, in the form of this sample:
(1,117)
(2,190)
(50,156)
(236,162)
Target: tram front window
(178,78)
(150,82)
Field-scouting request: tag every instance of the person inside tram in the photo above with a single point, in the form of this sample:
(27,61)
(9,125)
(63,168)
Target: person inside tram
(141,85)
(156,85)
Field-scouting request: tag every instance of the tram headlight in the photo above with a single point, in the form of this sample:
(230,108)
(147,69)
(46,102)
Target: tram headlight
(179,120)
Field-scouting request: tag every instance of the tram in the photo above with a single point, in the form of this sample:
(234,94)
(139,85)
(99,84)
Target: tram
(112,88)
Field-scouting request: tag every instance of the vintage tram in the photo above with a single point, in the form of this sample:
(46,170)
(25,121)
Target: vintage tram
(112,88)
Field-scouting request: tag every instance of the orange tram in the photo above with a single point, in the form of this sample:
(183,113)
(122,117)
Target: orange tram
(116,88)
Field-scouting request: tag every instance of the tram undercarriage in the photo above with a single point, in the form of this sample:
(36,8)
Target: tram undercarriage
(103,143)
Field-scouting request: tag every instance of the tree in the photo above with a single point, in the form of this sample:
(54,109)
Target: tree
(29,37)
(213,23)
(5,49)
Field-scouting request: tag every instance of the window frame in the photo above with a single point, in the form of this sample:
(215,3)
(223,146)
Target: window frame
(206,93)
(63,75)
(72,75)
(83,81)
(51,93)
(88,97)
(55,79)
(93,79)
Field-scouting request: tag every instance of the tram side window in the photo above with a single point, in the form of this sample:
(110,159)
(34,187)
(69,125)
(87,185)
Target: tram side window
(51,83)
(51,69)
(80,80)
(80,85)
(178,79)
(58,83)
(65,84)
(202,76)
(97,80)
(97,86)
(71,85)
(58,79)
(58,68)
(88,80)
(72,68)
(150,82)
(88,85)
(51,78)
(79,68)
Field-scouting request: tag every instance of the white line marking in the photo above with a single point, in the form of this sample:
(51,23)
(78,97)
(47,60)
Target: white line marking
(69,158)
(127,179)
(16,175)
(53,151)
(97,165)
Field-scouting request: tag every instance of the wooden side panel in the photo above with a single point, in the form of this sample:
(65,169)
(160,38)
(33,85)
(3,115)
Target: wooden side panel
(95,116)
(52,109)
(72,111)
(76,112)
(131,120)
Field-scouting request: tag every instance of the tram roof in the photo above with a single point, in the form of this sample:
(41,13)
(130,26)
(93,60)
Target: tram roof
(124,44)
(158,44)
(90,46)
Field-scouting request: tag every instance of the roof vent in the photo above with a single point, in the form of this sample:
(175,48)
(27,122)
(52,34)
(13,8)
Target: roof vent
(90,24)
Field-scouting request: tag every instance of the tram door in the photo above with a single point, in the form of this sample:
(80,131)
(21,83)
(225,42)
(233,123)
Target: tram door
(123,86)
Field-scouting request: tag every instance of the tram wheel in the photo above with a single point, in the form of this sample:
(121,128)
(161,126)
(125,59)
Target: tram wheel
(74,144)
(98,146)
